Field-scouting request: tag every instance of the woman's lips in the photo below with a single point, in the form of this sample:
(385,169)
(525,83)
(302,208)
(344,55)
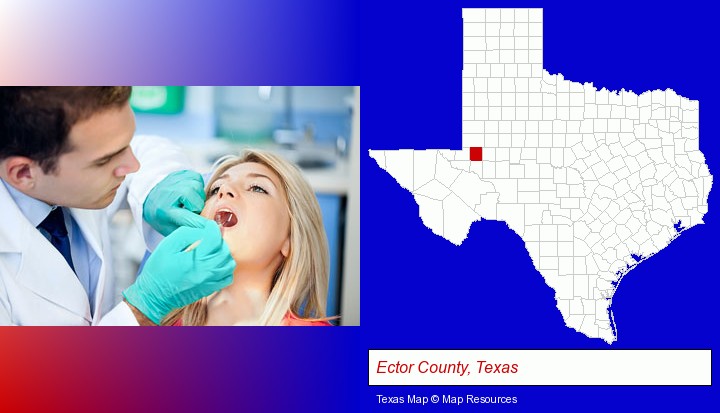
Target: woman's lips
(225,218)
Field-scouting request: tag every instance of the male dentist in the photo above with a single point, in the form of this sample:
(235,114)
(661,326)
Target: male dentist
(68,161)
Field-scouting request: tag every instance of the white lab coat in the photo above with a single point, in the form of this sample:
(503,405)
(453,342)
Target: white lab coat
(37,287)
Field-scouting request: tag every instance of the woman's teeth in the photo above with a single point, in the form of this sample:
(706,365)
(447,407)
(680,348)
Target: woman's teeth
(225,218)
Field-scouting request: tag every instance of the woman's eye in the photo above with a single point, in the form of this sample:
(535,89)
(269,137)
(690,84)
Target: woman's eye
(256,188)
(214,190)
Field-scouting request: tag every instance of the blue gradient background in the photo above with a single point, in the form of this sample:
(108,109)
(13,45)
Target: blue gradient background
(418,290)
(183,42)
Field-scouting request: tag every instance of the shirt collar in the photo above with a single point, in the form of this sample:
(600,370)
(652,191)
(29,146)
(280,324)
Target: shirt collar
(34,210)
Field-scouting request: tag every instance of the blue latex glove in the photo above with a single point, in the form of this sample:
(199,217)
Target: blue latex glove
(175,201)
(173,278)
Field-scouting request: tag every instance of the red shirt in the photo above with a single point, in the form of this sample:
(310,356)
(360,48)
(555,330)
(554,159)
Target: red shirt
(289,320)
(293,320)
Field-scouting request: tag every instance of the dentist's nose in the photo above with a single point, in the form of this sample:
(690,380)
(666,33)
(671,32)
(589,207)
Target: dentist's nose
(128,164)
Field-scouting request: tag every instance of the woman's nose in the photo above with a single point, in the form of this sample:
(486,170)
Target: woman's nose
(225,192)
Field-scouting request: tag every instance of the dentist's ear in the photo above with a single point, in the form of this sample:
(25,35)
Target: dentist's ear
(20,172)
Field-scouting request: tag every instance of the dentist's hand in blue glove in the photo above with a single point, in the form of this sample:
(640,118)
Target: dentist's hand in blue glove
(173,278)
(175,201)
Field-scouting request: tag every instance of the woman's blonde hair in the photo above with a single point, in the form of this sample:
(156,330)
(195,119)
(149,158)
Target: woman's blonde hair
(301,281)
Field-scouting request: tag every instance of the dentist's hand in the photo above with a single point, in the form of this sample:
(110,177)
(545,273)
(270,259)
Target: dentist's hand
(175,202)
(173,278)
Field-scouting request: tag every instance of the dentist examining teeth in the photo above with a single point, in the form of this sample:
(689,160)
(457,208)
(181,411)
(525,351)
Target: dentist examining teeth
(68,162)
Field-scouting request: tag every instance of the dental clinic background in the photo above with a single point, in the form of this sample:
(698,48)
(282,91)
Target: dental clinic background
(417,290)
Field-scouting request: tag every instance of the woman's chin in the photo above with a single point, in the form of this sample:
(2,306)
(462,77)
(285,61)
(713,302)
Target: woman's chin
(231,243)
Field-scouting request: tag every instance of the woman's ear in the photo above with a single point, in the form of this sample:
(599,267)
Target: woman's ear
(20,172)
(285,250)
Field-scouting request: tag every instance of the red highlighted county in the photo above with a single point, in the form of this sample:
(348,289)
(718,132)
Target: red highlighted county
(476,153)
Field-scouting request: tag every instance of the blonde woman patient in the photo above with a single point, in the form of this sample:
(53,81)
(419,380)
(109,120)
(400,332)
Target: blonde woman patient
(271,222)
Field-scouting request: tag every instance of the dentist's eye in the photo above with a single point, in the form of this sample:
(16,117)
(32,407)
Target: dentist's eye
(257,188)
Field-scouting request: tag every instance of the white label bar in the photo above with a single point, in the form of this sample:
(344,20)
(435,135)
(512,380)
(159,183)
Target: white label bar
(539,367)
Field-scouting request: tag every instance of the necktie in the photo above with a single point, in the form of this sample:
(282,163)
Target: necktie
(54,224)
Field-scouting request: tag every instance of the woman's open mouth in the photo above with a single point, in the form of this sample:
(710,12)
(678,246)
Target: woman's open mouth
(225,218)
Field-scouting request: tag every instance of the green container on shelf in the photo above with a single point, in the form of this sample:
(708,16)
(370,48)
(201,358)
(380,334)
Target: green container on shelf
(158,99)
